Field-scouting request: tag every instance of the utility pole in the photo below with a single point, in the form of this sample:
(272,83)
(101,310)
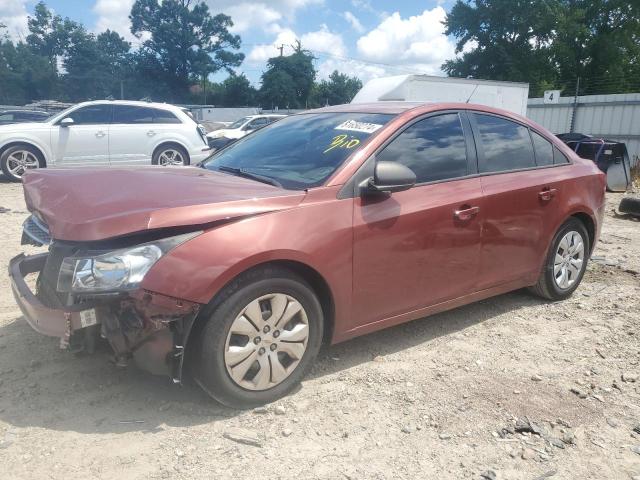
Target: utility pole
(281,48)
(575,106)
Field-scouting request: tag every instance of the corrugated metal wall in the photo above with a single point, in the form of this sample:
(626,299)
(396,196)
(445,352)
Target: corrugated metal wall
(616,117)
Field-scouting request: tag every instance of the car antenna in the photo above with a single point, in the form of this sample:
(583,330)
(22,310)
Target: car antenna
(474,91)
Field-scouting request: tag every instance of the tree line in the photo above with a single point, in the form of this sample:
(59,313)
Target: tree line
(180,44)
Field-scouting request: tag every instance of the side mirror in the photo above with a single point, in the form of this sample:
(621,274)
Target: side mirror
(389,177)
(67,121)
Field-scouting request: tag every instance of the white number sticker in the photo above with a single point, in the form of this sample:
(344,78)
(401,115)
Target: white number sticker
(88,318)
(355,126)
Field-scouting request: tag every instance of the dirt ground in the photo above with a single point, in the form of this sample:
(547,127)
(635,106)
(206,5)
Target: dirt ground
(509,388)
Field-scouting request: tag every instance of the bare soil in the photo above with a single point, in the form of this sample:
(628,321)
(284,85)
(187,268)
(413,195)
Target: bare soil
(510,388)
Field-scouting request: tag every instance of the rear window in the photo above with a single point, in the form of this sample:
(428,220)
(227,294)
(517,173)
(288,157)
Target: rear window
(300,151)
(505,145)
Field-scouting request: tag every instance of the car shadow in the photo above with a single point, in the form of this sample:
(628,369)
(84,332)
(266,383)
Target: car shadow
(41,386)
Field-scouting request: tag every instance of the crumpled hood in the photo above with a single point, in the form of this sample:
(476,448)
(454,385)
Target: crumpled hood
(95,204)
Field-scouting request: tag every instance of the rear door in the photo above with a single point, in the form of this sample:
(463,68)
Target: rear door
(522,189)
(133,135)
(85,142)
(415,248)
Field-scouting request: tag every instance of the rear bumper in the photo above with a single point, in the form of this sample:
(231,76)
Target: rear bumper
(199,155)
(45,320)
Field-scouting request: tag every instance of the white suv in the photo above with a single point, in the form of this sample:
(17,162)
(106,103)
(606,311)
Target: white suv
(104,133)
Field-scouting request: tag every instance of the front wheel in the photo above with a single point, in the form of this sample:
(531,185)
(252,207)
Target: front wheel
(15,161)
(261,337)
(566,262)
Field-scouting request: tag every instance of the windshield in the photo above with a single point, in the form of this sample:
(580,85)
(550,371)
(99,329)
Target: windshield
(239,123)
(301,151)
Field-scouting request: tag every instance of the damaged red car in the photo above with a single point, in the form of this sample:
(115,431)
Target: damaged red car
(318,228)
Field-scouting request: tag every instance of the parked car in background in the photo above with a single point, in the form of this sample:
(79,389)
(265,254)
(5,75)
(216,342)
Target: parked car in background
(609,155)
(20,116)
(240,128)
(320,227)
(104,133)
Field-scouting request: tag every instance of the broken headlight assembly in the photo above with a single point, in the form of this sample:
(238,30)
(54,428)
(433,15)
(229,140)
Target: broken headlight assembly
(118,270)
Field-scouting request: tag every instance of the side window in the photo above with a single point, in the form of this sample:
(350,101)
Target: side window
(6,117)
(257,123)
(131,114)
(164,116)
(92,114)
(543,149)
(434,148)
(505,145)
(559,157)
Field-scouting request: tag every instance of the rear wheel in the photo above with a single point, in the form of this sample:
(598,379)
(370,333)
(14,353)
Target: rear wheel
(15,161)
(170,155)
(261,336)
(566,262)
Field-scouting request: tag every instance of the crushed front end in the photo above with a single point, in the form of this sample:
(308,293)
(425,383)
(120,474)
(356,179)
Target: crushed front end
(87,291)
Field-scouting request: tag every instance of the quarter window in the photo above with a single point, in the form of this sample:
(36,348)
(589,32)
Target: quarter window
(505,145)
(543,149)
(434,148)
(164,116)
(558,157)
(91,114)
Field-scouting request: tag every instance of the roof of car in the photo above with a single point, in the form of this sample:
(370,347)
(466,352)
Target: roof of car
(136,103)
(18,110)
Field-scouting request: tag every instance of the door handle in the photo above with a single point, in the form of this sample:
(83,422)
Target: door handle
(151,133)
(100,134)
(547,194)
(466,213)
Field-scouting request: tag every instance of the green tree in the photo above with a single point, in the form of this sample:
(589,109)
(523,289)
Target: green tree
(49,34)
(237,91)
(548,43)
(24,75)
(339,89)
(512,38)
(95,65)
(185,43)
(288,81)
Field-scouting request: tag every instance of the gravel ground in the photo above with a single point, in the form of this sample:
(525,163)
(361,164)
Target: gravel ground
(508,388)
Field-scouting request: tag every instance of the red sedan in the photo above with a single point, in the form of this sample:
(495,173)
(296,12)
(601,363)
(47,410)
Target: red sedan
(318,228)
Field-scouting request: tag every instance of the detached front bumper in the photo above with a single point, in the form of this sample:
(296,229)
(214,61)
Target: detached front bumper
(146,326)
(45,320)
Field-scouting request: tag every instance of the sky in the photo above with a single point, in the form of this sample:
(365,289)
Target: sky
(365,38)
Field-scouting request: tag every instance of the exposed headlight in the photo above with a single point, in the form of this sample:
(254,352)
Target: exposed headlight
(114,271)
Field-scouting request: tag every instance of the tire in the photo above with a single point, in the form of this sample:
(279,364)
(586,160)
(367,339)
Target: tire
(25,153)
(170,150)
(221,347)
(548,285)
(630,206)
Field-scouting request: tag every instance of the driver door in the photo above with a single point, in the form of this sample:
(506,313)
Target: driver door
(85,142)
(414,249)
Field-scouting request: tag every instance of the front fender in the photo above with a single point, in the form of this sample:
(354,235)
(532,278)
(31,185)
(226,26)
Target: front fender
(44,145)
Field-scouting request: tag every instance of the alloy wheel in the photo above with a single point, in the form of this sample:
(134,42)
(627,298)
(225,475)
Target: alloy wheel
(266,341)
(170,157)
(568,261)
(20,161)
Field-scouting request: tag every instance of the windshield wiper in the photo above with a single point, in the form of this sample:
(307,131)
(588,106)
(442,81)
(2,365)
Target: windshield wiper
(243,172)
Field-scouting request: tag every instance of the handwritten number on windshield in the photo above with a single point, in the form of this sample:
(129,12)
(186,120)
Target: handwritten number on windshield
(343,141)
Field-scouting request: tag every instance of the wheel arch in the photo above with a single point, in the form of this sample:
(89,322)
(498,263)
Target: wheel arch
(16,143)
(315,280)
(589,224)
